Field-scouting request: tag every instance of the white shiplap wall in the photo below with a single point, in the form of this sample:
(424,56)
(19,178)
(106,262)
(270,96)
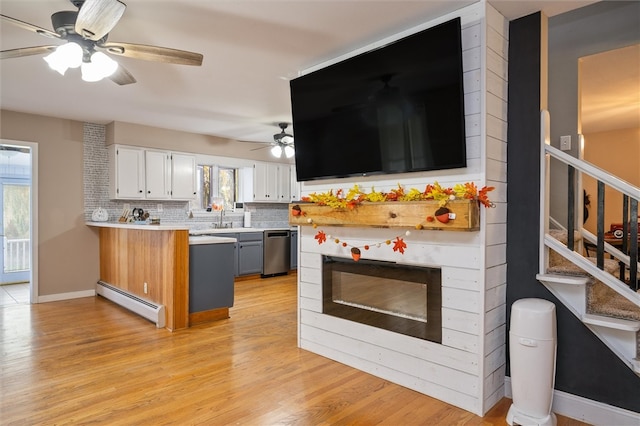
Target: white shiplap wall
(467,369)
(495,154)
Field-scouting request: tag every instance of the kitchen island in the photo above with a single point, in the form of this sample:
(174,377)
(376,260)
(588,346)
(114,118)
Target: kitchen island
(151,263)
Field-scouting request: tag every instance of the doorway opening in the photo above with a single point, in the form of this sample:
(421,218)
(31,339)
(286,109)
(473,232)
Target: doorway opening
(16,223)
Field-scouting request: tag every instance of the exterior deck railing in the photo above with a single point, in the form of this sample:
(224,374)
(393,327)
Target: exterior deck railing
(17,255)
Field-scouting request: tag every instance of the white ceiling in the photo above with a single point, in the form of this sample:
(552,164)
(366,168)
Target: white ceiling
(251,50)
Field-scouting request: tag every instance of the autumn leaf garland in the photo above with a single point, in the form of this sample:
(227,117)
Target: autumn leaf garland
(398,244)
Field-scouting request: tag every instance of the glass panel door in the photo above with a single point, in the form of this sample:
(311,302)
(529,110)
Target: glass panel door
(16,233)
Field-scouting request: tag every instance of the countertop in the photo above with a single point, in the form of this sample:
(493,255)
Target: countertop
(143,226)
(205,239)
(210,231)
(184,227)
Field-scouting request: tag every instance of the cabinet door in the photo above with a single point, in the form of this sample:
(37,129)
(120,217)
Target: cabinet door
(294,250)
(295,186)
(183,176)
(249,257)
(126,173)
(284,183)
(263,183)
(157,174)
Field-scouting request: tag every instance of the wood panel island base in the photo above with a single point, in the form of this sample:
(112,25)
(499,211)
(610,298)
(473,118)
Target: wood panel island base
(151,262)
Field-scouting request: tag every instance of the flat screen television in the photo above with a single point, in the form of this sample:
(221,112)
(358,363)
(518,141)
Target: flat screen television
(395,109)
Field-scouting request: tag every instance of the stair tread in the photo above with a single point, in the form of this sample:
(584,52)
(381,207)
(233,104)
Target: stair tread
(617,323)
(561,278)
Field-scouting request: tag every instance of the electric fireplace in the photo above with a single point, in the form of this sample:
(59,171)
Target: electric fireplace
(401,298)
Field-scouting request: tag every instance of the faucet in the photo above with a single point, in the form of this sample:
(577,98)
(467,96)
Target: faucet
(221,215)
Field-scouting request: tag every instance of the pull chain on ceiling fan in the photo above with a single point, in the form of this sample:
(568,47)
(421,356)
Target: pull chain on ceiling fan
(85,32)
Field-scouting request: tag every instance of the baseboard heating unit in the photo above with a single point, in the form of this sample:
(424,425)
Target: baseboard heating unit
(145,308)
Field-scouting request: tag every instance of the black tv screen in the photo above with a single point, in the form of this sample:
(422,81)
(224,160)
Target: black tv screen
(396,109)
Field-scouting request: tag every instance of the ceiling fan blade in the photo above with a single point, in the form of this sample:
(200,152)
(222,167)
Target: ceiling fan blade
(26,51)
(152,53)
(96,18)
(122,76)
(30,27)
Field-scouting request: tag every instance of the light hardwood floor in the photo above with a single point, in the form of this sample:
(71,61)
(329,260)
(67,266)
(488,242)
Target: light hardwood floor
(90,361)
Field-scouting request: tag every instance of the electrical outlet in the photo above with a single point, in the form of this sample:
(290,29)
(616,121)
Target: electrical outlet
(565,143)
(126,206)
(160,208)
(146,289)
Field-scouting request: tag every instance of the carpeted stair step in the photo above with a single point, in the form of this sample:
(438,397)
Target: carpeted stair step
(603,300)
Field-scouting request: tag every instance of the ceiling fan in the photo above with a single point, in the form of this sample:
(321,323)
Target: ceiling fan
(282,143)
(88,29)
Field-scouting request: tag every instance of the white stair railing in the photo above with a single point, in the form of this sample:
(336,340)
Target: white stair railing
(604,178)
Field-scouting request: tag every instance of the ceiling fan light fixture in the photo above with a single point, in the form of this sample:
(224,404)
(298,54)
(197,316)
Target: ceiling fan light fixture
(68,55)
(276,151)
(99,67)
(287,139)
(289,151)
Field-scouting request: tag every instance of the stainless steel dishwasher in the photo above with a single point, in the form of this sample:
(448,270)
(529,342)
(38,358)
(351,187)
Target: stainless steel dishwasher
(276,252)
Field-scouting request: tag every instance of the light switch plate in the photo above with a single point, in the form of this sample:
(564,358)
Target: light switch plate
(565,143)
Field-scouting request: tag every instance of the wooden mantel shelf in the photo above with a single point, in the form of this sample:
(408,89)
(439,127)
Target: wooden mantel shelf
(464,215)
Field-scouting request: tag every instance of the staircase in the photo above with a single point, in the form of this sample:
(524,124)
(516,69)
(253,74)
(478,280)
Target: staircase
(601,291)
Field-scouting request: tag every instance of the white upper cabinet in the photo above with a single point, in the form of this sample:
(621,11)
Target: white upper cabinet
(183,176)
(157,175)
(138,173)
(126,172)
(271,182)
(284,183)
(295,186)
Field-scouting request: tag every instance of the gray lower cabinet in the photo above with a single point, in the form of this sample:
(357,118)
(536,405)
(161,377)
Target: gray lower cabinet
(210,277)
(247,258)
(250,253)
(294,250)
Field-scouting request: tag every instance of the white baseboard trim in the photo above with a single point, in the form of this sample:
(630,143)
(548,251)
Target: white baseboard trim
(586,410)
(66,296)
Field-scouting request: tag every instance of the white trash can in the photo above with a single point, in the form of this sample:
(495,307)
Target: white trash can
(532,348)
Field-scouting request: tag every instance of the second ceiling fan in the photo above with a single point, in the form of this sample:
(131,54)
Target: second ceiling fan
(282,143)
(85,32)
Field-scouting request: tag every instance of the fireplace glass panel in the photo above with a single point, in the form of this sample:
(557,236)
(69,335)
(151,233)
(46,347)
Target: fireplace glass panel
(400,298)
(390,296)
